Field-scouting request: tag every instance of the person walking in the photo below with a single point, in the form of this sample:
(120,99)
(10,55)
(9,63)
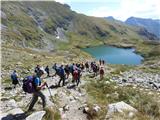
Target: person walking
(47,70)
(38,85)
(66,69)
(87,66)
(14,78)
(61,74)
(101,71)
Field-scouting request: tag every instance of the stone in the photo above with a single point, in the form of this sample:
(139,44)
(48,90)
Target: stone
(124,80)
(71,98)
(13,114)
(36,115)
(107,82)
(131,115)
(66,108)
(96,108)
(5,116)
(140,80)
(86,109)
(61,110)
(12,103)
(120,107)
(15,111)
(3,15)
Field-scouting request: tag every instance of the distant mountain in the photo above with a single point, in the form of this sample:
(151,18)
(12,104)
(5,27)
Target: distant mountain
(151,25)
(110,18)
(49,25)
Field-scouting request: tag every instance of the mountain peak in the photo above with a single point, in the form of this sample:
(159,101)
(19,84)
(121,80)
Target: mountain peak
(152,25)
(110,18)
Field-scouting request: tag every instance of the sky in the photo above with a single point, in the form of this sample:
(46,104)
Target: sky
(119,9)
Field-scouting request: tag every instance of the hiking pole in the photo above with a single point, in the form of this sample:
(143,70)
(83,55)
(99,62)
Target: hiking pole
(49,92)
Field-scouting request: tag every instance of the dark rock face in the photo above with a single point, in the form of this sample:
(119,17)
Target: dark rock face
(100,32)
(148,35)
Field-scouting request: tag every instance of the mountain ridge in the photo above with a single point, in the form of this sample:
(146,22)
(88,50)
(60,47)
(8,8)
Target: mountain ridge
(47,25)
(152,25)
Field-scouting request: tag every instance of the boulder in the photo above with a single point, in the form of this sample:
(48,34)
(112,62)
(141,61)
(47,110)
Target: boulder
(66,108)
(15,111)
(5,116)
(14,114)
(96,108)
(139,80)
(36,115)
(12,103)
(86,109)
(120,107)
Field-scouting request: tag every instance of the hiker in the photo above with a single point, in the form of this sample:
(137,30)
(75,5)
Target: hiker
(14,78)
(37,68)
(101,72)
(62,76)
(75,76)
(66,69)
(61,73)
(91,66)
(47,70)
(100,61)
(103,62)
(79,76)
(38,85)
(95,69)
(54,66)
(82,66)
(71,69)
(87,66)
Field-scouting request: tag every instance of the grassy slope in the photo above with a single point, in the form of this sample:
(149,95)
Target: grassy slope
(56,15)
(104,93)
(81,31)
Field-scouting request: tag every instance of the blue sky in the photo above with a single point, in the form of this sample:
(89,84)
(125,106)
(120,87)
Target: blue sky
(120,9)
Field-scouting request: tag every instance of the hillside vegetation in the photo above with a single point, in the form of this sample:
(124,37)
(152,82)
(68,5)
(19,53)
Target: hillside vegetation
(38,24)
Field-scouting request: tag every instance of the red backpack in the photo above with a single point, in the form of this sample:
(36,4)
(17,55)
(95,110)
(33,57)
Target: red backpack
(101,71)
(75,74)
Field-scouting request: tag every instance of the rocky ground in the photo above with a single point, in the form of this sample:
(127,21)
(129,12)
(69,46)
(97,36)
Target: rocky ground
(70,100)
(139,78)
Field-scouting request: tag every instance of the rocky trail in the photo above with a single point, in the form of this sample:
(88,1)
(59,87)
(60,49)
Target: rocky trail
(70,100)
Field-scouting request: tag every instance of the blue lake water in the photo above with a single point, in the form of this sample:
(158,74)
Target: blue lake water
(114,55)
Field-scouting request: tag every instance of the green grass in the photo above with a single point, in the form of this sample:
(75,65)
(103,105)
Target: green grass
(52,114)
(104,94)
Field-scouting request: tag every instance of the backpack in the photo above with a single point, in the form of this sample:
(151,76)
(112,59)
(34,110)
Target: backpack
(101,71)
(75,74)
(14,77)
(29,85)
(61,72)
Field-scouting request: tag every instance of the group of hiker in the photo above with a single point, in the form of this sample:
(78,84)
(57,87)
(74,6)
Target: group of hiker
(33,84)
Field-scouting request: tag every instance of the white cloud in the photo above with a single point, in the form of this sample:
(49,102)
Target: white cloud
(125,8)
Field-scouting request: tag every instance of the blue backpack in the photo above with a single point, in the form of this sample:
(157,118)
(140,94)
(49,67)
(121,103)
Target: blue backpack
(29,85)
(14,77)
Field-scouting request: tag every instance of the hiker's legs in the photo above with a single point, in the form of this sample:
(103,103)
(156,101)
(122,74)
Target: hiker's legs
(78,80)
(33,101)
(59,81)
(48,74)
(67,75)
(63,78)
(40,94)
